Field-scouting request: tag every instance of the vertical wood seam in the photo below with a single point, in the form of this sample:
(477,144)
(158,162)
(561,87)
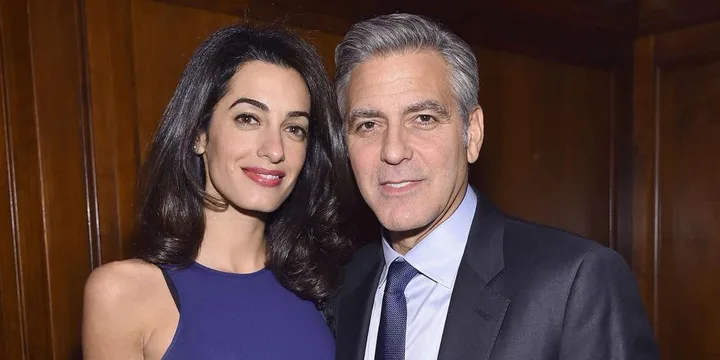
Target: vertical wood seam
(613,173)
(86,123)
(656,190)
(12,189)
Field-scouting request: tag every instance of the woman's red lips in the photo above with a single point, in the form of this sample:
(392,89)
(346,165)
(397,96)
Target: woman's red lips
(264,177)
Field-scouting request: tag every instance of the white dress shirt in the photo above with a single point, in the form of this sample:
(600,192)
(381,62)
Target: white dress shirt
(436,258)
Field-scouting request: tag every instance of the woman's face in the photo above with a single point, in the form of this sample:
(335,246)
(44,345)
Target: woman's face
(255,146)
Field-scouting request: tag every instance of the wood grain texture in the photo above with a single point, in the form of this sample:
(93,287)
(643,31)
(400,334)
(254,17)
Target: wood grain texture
(688,47)
(658,16)
(689,212)
(677,210)
(164,38)
(29,224)
(546,155)
(621,166)
(44,128)
(11,322)
(60,117)
(114,150)
(592,34)
(644,158)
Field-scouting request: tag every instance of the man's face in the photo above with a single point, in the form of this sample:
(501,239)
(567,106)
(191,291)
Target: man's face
(405,140)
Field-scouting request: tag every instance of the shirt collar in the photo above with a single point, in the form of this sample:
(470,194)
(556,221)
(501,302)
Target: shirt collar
(438,255)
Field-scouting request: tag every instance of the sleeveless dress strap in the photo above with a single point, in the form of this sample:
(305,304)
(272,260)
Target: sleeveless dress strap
(171,287)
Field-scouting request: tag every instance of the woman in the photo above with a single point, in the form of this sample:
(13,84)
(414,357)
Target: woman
(238,226)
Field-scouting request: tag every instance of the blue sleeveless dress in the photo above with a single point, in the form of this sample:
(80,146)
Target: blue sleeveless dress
(243,316)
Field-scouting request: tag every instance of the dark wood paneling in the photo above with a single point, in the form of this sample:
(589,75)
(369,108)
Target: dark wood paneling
(114,150)
(644,157)
(57,59)
(593,34)
(547,150)
(688,47)
(621,182)
(689,228)
(28,180)
(679,220)
(164,38)
(44,127)
(11,334)
(657,16)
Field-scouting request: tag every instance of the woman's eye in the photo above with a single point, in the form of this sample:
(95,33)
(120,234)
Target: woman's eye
(246,119)
(298,131)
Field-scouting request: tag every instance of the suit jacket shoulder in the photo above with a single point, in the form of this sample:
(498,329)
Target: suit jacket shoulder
(530,245)
(581,296)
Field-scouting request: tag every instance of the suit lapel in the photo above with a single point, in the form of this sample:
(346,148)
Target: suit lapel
(356,308)
(474,319)
(476,312)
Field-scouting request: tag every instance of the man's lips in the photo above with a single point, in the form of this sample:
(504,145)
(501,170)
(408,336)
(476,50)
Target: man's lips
(399,186)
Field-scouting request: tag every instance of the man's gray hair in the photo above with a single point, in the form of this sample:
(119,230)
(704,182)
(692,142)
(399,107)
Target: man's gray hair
(401,33)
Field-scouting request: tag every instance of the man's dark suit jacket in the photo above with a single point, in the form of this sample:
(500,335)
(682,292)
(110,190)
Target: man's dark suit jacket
(523,291)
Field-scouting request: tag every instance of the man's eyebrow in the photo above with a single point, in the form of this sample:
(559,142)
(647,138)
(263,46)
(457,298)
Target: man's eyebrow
(427,105)
(252,102)
(365,114)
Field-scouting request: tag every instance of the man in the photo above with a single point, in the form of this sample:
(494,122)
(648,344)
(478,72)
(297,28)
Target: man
(452,277)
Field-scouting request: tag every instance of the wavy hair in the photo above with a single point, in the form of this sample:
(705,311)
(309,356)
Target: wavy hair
(307,239)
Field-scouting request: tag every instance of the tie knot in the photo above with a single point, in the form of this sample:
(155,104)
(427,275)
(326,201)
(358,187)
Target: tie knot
(399,275)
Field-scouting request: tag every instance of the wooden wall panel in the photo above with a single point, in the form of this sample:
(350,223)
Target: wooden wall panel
(591,33)
(45,129)
(677,130)
(657,16)
(57,57)
(644,197)
(11,334)
(26,176)
(548,144)
(164,38)
(114,150)
(689,224)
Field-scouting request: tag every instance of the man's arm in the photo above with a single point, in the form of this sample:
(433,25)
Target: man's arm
(604,317)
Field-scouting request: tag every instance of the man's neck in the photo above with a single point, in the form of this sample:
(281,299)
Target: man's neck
(404,241)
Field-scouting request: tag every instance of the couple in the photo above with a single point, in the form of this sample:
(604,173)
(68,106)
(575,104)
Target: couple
(245,230)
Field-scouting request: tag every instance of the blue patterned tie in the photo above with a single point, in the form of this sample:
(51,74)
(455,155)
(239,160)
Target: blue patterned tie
(393,319)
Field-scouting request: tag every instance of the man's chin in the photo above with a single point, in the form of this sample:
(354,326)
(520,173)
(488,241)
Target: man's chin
(407,224)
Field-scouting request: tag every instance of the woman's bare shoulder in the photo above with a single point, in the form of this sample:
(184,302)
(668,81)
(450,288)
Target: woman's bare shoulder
(123,282)
(126,302)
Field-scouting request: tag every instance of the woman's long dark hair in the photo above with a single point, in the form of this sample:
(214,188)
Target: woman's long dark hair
(307,239)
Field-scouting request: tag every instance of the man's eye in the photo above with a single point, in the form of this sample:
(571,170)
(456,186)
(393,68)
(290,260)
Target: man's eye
(425,118)
(367,126)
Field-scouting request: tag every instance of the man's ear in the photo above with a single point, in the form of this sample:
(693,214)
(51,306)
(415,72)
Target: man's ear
(200,144)
(476,134)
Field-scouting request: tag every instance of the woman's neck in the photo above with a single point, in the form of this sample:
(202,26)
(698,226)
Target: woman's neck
(234,241)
